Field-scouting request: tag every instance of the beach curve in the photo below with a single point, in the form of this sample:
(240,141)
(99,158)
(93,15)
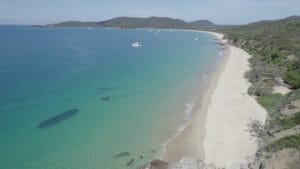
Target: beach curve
(218,131)
(227,142)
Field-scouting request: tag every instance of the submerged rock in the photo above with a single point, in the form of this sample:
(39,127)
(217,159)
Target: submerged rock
(130,162)
(122,154)
(124,95)
(108,88)
(57,118)
(105,98)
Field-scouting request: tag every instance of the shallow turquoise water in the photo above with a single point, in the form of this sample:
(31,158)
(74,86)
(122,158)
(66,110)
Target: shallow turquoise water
(129,100)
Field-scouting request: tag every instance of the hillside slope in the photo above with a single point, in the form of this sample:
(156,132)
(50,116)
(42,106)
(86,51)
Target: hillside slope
(274,42)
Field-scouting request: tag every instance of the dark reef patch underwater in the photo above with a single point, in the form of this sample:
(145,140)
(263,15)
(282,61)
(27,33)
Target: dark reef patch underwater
(57,119)
(105,98)
(122,154)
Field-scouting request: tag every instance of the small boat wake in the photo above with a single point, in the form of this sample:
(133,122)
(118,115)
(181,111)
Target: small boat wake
(136,45)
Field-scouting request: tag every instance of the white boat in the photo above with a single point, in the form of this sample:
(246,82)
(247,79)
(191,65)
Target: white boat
(136,45)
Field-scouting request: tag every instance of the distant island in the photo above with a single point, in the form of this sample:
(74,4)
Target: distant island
(135,22)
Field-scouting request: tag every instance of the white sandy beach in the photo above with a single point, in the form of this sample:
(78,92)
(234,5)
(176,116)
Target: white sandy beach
(227,142)
(218,132)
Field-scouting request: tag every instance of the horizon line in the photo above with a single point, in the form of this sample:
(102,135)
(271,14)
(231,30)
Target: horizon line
(153,16)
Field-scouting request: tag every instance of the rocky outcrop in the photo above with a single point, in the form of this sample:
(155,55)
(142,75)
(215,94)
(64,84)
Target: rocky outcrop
(183,163)
(155,164)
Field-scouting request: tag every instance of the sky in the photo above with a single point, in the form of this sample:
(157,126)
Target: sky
(217,11)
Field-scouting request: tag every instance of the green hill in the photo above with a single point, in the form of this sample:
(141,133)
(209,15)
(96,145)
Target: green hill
(202,24)
(134,22)
(152,22)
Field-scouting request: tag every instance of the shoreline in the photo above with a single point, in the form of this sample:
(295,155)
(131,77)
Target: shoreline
(227,141)
(217,132)
(188,143)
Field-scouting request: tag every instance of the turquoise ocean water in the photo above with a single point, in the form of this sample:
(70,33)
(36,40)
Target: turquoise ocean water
(121,99)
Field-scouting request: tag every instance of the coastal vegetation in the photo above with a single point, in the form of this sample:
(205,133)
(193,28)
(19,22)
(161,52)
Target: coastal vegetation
(275,46)
(288,122)
(292,75)
(275,104)
(270,102)
(292,141)
(275,49)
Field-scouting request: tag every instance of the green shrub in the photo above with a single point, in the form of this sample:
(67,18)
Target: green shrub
(297,118)
(290,121)
(261,70)
(270,102)
(287,123)
(288,98)
(292,76)
(270,43)
(286,142)
(260,89)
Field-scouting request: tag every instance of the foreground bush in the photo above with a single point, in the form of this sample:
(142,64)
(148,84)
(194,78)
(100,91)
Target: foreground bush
(292,76)
(285,122)
(271,102)
(260,89)
(286,142)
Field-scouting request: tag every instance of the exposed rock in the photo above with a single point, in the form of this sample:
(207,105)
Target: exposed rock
(155,164)
(183,163)
(287,158)
(209,166)
(291,58)
(189,163)
(281,89)
(291,108)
